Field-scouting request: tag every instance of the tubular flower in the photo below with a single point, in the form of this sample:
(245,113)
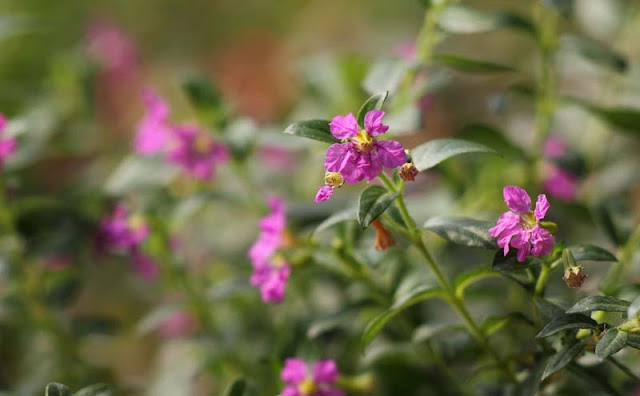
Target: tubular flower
(270,272)
(7,145)
(122,230)
(331,180)
(195,151)
(520,227)
(361,155)
(154,129)
(319,381)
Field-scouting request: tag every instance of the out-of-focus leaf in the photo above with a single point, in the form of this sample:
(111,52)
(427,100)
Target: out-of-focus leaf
(465,279)
(548,309)
(591,252)
(460,231)
(338,217)
(312,129)
(565,7)
(207,100)
(491,137)
(464,20)
(569,351)
(597,53)
(493,324)
(373,201)
(530,386)
(426,332)
(633,340)
(613,341)
(626,119)
(568,321)
(430,154)
(612,216)
(385,75)
(237,388)
(96,390)
(470,65)
(375,102)
(139,173)
(634,309)
(593,376)
(61,289)
(600,303)
(92,324)
(55,389)
(401,303)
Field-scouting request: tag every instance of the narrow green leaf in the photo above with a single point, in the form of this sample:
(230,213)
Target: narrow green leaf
(403,302)
(600,303)
(56,389)
(633,340)
(548,309)
(96,390)
(236,388)
(374,200)
(624,118)
(494,323)
(591,252)
(464,20)
(490,137)
(465,279)
(430,154)
(565,7)
(312,129)
(508,263)
(613,341)
(207,100)
(460,231)
(336,218)
(569,351)
(597,53)
(425,332)
(593,376)
(470,65)
(375,102)
(568,321)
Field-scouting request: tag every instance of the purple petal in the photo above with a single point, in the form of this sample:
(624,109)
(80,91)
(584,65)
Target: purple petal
(373,122)
(506,221)
(294,371)
(291,390)
(560,184)
(542,241)
(368,167)
(516,199)
(325,371)
(343,127)
(338,157)
(521,242)
(7,147)
(145,266)
(542,205)
(389,153)
(272,289)
(3,122)
(324,194)
(554,147)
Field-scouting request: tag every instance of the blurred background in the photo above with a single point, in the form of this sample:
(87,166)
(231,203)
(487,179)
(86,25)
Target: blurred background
(72,74)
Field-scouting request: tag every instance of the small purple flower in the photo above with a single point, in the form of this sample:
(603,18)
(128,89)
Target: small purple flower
(270,274)
(324,194)
(520,228)
(179,324)
(144,265)
(554,147)
(154,130)
(319,382)
(560,183)
(195,151)
(7,145)
(123,231)
(362,156)
(110,46)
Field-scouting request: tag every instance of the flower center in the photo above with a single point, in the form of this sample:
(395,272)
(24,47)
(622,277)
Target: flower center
(333,179)
(307,387)
(202,144)
(363,141)
(528,220)
(277,261)
(136,222)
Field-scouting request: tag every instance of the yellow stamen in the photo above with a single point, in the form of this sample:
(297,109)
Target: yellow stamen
(307,387)
(363,141)
(136,222)
(202,143)
(333,179)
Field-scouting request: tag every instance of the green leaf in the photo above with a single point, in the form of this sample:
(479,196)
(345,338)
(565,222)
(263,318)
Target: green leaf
(470,65)
(96,390)
(460,231)
(591,252)
(207,100)
(569,351)
(430,154)
(600,303)
(597,53)
(509,262)
(337,218)
(531,384)
(493,324)
(425,332)
(568,321)
(624,118)
(565,7)
(465,279)
(633,340)
(56,389)
(593,376)
(374,200)
(373,103)
(312,129)
(492,138)
(613,341)
(402,302)
(385,75)
(139,173)
(548,309)
(464,20)
(236,388)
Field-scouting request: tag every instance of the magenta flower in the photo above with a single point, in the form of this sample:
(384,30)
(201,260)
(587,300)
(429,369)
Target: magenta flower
(154,130)
(110,47)
(560,183)
(270,272)
(520,228)
(361,156)
(144,265)
(324,194)
(122,230)
(7,145)
(179,324)
(554,147)
(195,151)
(319,382)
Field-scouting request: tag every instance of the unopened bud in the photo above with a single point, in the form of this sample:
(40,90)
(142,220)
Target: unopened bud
(408,171)
(574,276)
(384,239)
(333,179)
(549,226)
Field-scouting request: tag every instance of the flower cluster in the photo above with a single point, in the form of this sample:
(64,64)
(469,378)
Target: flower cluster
(8,145)
(122,231)
(319,381)
(186,146)
(270,271)
(520,227)
(360,156)
(558,182)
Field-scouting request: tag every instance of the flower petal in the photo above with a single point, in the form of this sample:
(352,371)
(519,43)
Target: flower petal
(325,371)
(389,153)
(373,122)
(542,205)
(542,241)
(343,127)
(369,168)
(516,199)
(324,194)
(294,371)
(343,158)
(561,184)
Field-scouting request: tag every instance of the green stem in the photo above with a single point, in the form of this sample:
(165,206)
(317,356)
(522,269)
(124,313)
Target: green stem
(542,279)
(625,257)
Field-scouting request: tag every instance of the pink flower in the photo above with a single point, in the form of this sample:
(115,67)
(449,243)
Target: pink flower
(110,47)
(319,382)
(324,194)
(195,151)
(362,156)
(406,50)
(179,324)
(270,274)
(7,145)
(121,230)
(154,130)
(144,265)
(520,228)
(554,147)
(560,184)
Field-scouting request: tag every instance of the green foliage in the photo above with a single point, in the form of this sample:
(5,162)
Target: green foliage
(599,303)
(430,154)
(464,232)
(374,200)
(312,129)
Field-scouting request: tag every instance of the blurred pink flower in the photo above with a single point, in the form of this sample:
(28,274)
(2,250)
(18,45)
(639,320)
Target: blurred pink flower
(319,381)
(121,230)
(520,227)
(111,48)
(8,145)
(560,184)
(554,147)
(406,50)
(278,158)
(195,151)
(179,324)
(154,129)
(144,265)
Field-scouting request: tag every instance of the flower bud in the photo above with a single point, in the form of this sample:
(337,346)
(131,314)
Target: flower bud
(333,179)
(384,239)
(574,276)
(408,171)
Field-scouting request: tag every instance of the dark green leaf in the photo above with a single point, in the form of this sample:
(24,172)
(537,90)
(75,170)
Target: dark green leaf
(548,309)
(568,321)
(531,384)
(460,231)
(569,351)
(508,262)
(465,279)
(613,341)
(565,7)
(55,389)
(490,137)
(237,388)
(375,102)
(430,154)
(493,324)
(312,129)
(623,118)
(463,20)
(470,65)
(599,303)
(93,324)
(597,53)
(96,390)
(426,332)
(401,303)
(633,340)
(593,376)
(374,200)
(206,99)
(338,217)
(610,215)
